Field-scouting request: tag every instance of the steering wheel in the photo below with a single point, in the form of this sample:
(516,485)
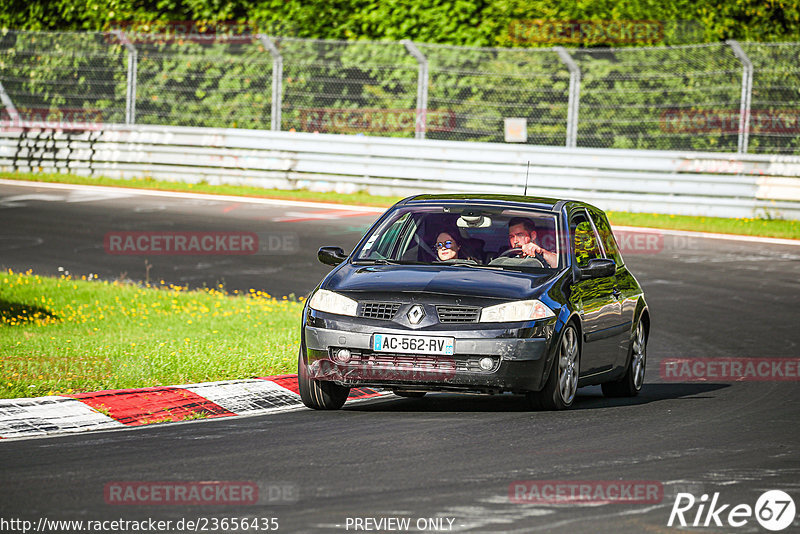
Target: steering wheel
(512,252)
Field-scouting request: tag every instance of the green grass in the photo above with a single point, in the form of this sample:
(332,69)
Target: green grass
(59,335)
(755,227)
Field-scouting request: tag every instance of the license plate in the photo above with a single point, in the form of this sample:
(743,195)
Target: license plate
(413,344)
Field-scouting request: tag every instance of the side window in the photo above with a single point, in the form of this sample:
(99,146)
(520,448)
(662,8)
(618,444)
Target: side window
(387,242)
(584,240)
(607,237)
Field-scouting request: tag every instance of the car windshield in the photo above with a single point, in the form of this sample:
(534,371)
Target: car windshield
(469,235)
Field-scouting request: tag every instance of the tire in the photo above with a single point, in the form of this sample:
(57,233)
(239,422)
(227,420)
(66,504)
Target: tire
(562,383)
(319,394)
(409,394)
(630,384)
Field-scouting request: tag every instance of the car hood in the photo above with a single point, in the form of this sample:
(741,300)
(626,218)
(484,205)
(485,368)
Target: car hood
(443,280)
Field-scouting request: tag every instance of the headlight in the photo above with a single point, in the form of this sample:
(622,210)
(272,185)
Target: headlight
(330,302)
(523,310)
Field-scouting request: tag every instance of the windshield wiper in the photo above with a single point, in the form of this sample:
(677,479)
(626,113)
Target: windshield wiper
(378,261)
(468,264)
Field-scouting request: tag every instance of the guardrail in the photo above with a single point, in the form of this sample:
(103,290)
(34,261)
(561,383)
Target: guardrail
(689,183)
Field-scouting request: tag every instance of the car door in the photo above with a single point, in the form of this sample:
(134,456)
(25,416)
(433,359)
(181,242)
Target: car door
(595,299)
(626,286)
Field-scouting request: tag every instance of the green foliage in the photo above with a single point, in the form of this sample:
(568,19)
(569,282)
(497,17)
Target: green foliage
(585,244)
(67,71)
(626,96)
(221,85)
(460,22)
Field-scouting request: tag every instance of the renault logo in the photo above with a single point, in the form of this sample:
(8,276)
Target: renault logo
(415,314)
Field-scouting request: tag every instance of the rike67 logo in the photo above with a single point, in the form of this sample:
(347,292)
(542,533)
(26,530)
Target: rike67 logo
(774,510)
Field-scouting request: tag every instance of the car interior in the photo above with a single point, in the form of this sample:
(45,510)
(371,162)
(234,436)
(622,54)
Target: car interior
(483,245)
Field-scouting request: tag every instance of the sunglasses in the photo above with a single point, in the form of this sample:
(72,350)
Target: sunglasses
(446,244)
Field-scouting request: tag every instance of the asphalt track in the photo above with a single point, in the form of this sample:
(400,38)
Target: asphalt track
(445,456)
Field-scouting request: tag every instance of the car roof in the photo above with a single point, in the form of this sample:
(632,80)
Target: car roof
(543,203)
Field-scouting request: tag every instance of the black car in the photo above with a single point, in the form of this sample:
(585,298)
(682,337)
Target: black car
(477,293)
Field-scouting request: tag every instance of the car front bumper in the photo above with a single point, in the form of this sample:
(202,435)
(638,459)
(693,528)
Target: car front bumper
(519,357)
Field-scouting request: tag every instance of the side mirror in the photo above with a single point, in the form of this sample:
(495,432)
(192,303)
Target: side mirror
(331,255)
(598,268)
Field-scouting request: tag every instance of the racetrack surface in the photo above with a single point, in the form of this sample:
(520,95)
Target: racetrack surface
(446,455)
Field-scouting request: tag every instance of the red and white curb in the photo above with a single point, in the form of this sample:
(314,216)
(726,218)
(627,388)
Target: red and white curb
(118,408)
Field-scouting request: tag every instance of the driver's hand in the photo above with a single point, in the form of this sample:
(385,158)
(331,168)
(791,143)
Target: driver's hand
(531,249)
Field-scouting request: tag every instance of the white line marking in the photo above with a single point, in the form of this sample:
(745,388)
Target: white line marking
(298,216)
(20,201)
(708,235)
(204,196)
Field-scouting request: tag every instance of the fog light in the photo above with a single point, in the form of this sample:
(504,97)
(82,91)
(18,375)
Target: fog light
(343,355)
(486,363)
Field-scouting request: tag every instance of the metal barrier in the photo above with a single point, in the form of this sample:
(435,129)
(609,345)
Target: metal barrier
(690,183)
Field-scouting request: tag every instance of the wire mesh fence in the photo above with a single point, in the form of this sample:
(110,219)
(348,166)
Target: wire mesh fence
(63,77)
(713,97)
(775,107)
(344,87)
(220,84)
(659,98)
(480,87)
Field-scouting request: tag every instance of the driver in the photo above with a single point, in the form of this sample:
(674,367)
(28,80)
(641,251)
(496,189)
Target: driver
(522,235)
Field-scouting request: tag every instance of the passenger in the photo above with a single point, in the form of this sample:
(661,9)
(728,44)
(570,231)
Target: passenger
(447,246)
(522,235)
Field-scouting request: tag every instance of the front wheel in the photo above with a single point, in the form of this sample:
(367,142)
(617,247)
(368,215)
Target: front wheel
(319,394)
(630,384)
(562,383)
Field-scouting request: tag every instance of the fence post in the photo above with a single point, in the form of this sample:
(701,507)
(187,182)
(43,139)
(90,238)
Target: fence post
(747,95)
(574,95)
(277,82)
(9,105)
(422,89)
(130,93)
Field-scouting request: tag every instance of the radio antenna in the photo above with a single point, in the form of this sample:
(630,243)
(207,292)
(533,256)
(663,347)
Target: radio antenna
(527,170)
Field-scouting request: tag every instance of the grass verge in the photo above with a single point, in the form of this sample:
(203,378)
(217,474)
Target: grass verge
(59,335)
(743,226)
(754,227)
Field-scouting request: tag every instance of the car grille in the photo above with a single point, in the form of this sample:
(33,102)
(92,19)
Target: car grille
(379,310)
(417,362)
(458,314)
(421,362)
